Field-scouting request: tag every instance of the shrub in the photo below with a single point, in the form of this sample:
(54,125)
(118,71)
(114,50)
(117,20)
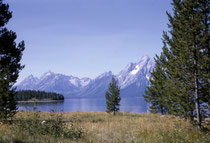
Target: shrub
(55,127)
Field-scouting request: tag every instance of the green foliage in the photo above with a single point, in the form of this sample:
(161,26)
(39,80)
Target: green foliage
(10,56)
(25,95)
(7,103)
(113,97)
(156,92)
(180,81)
(55,127)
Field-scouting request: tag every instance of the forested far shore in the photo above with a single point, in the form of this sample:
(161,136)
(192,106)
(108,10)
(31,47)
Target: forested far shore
(29,95)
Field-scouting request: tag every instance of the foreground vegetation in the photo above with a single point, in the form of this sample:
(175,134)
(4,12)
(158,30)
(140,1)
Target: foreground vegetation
(98,127)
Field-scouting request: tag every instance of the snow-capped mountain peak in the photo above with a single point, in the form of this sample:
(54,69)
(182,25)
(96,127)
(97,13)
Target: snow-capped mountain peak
(49,73)
(135,71)
(104,75)
(144,58)
(31,78)
(28,82)
(132,80)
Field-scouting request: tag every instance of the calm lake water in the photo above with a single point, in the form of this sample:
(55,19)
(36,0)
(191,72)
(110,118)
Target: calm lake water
(135,105)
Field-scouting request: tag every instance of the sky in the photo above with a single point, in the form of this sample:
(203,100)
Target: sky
(85,38)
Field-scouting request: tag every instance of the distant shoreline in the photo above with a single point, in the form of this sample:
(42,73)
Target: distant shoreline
(40,101)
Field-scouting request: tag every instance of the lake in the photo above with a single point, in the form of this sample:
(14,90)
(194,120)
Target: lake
(134,105)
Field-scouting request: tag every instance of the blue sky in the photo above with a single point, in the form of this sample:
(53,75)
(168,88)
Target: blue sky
(85,38)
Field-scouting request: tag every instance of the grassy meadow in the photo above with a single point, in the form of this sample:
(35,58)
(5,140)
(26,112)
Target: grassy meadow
(100,127)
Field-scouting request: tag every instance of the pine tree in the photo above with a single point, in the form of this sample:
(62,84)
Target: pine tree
(186,65)
(113,97)
(10,56)
(187,44)
(205,56)
(155,93)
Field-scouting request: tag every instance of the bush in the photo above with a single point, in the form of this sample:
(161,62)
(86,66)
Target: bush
(55,127)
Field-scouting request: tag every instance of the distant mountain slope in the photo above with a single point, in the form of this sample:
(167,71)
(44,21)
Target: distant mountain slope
(28,83)
(51,82)
(132,81)
(97,87)
(135,77)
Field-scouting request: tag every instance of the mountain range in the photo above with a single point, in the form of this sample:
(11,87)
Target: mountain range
(132,80)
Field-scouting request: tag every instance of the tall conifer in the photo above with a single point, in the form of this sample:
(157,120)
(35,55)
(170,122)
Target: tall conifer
(155,93)
(186,51)
(10,56)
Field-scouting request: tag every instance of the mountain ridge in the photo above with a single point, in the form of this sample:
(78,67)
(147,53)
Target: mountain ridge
(132,80)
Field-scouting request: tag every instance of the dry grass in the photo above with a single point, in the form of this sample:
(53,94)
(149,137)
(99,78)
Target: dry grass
(100,127)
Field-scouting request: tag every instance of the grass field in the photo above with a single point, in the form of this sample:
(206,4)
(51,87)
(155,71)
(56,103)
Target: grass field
(100,127)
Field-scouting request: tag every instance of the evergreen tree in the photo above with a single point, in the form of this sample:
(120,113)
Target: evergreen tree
(10,56)
(155,93)
(186,56)
(25,95)
(205,56)
(113,97)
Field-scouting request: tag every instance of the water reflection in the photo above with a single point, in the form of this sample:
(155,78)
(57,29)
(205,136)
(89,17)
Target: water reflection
(136,105)
(42,106)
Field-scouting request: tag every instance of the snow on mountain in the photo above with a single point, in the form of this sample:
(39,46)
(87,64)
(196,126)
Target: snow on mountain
(53,82)
(132,80)
(135,71)
(135,77)
(97,87)
(84,81)
(28,83)
(58,83)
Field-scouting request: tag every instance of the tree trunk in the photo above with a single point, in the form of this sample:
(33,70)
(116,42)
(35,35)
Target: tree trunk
(161,109)
(196,95)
